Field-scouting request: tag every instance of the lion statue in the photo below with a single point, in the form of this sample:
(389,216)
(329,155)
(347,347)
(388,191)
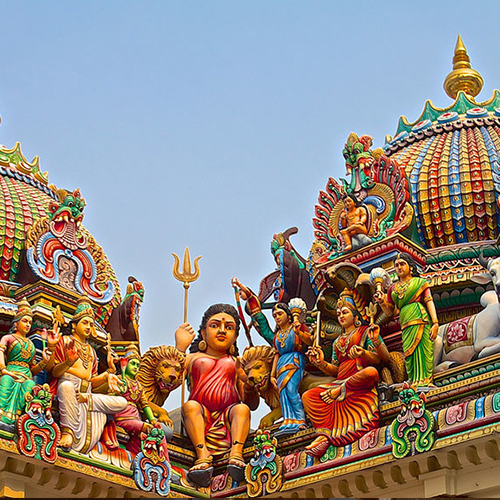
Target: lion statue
(257,363)
(159,374)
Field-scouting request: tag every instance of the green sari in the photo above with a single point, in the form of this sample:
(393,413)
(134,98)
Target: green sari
(408,297)
(19,357)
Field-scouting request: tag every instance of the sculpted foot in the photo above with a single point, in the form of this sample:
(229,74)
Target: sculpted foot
(66,441)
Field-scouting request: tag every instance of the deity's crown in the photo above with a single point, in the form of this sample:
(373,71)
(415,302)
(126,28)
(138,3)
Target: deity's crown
(131,352)
(354,301)
(23,309)
(83,308)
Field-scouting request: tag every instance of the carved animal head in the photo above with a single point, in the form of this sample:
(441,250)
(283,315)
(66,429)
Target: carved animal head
(66,219)
(161,372)
(493,274)
(257,362)
(39,403)
(153,445)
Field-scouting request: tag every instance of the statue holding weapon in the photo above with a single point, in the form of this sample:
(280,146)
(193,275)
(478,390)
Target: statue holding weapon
(216,416)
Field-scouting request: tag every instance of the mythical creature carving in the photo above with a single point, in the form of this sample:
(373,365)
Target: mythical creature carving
(257,364)
(152,471)
(264,473)
(412,431)
(38,434)
(62,237)
(373,205)
(123,324)
(159,374)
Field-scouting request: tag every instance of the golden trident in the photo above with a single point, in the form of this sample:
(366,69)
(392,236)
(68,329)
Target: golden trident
(187,276)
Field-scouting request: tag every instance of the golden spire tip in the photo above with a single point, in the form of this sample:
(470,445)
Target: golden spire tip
(463,78)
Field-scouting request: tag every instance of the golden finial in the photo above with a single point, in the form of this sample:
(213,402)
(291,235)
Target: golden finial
(463,77)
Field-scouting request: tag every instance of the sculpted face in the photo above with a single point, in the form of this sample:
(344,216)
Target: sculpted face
(24,325)
(281,317)
(349,204)
(345,317)
(258,374)
(220,332)
(402,268)
(168,375)
(84,327)
(132,367)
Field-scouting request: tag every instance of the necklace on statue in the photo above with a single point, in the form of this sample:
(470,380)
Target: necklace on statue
(85,352)
(401,287)
(343,341)
(282,336)
(24,343)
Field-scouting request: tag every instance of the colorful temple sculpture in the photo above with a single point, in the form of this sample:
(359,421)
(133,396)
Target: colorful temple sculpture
(380,370)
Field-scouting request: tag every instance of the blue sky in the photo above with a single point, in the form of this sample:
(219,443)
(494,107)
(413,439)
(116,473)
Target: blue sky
(215,124)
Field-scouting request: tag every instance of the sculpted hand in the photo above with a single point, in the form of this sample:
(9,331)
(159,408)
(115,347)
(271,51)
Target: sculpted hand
(81,398)
(374,333)
(245,293)
(434,332)
(315,355)
(356,352)
(184,335)
(18,377)
(53,336)
(378,297)
(296,325)
(72,353)
(115,384)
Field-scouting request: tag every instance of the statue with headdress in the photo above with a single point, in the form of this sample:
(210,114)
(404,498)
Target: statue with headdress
(345,409)
(130,419)
(18,364)
(83,414)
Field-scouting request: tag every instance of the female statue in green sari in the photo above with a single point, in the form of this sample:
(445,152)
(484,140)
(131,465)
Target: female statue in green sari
(18,364)
(412,296)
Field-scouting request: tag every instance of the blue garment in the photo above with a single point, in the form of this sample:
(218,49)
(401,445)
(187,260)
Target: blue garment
(289,372)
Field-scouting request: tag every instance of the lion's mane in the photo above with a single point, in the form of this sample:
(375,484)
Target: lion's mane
(147,371)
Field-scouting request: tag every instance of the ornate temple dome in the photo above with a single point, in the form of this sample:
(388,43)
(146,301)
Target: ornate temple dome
(28,204)
(451,158)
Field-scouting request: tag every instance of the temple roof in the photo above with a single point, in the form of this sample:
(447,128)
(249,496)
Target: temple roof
(451,158)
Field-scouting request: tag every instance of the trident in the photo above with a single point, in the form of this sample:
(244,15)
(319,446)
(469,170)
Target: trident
(187,277)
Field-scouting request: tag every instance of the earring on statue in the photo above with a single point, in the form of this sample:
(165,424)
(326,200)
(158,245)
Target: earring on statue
(358,322)
(202,345)
(232,350)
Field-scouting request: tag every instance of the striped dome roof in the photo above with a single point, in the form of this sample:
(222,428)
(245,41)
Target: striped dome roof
(451,158)
(25,196)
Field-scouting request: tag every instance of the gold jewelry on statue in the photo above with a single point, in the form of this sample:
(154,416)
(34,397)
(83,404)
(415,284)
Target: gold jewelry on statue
(202,345)
(400,287)
(25,346)
(282,335)
(85,353)
(357,322)
(232,350)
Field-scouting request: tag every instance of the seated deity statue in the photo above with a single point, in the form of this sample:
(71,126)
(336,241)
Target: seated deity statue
(354,221)
(217,413)
(83,414)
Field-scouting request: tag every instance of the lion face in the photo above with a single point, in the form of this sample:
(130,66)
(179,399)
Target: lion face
(160,372)
(168,375)
(258,374)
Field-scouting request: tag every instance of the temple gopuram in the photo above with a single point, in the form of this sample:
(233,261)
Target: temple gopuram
(377,355)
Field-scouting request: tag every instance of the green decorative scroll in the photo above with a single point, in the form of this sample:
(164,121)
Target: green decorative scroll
(412,431)
(264,472)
